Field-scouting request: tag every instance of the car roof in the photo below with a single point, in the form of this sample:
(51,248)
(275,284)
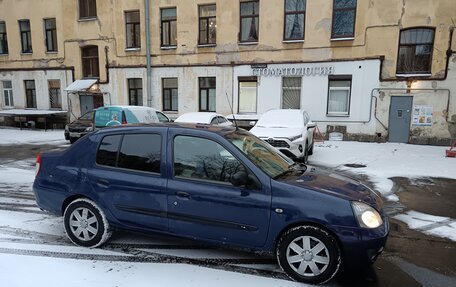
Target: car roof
(196,117)
(221,130)
(126,107)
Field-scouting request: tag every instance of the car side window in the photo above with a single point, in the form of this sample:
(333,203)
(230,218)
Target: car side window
(107,151)
(214,121)
(204,159)
(221,120)
(141,152)
(162,118)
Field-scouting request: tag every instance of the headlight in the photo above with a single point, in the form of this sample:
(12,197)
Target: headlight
(294,138)
(66,128)
(366,215)
(89,129)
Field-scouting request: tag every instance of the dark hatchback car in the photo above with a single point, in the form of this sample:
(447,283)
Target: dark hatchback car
(216,184)
(79,127)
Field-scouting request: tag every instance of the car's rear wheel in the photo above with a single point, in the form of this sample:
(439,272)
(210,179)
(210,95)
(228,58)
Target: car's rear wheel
(85,223)
(309,254)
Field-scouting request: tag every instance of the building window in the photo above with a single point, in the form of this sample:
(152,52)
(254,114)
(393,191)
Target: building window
(295,18)
(50,29)
(343,24)
(90,67)
(168,27)
(207,94)
(30,93)
(291,92)
(133,29)
(55,98)
(26,36)
(415,51)
(87,9)
(339,96)
(135,92)
(250,15)
(3,39)
(8,94)
(169,94)
(207,24)
(247,95)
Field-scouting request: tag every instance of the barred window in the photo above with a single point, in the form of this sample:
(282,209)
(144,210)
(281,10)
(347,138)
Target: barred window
(55,98)
(291,93)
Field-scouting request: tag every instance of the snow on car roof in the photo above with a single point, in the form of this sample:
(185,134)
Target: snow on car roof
(196,117)
(282,118)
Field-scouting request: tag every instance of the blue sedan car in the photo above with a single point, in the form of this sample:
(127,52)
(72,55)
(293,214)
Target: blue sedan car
(217,184)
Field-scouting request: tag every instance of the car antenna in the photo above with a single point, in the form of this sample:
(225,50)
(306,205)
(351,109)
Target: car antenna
(232,112)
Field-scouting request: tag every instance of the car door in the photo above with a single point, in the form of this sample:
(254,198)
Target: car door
(203,203)
(129,178)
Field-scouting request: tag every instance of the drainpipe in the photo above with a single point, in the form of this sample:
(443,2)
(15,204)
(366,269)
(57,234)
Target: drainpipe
(149,68)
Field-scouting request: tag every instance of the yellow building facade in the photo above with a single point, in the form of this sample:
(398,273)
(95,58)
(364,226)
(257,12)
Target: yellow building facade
(373,70)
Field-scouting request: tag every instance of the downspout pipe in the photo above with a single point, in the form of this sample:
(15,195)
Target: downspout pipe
(148,60)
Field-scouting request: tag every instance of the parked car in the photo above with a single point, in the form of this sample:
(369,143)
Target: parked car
(204,118)
(220,185)
(119,115)
(79,127)
(290,131)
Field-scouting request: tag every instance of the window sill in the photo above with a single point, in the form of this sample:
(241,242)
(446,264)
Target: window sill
(8,107)
(4,55)
(248,43)
(132,49)
(342,39)
(338,115)
(206,45)
(26,53)
(168,47)
(52,52)
(293,41)
(414,75)
(85,19)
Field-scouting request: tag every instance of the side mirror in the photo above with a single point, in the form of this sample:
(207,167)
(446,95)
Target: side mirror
(240,178)
(311,125)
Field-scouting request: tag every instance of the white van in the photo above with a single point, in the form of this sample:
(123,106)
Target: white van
(120,115)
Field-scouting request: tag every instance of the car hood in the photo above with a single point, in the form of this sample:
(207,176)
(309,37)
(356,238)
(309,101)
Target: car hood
(329,182)
(80,123)
(267,132)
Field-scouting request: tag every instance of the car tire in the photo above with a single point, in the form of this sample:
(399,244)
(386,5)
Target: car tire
(305,158)
(85,223)
(309,254)
(73,140)
(311,150)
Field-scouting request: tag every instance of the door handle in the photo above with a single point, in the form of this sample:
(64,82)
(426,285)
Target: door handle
(182,194)
(103,183)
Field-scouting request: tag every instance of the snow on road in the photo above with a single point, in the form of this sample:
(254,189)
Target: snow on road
(385,160)
(429,224)
(10,136)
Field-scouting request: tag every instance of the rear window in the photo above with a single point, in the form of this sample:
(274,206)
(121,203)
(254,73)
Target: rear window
(107,118)
(140,152)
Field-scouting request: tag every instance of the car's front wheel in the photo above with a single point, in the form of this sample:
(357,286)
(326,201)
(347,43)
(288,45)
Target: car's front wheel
(309,254)
(85,223)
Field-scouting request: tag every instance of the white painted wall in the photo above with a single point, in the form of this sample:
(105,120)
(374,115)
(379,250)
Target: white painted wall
(41,85)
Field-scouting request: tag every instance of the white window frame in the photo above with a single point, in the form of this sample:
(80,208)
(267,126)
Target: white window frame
(8,91)
(348,89)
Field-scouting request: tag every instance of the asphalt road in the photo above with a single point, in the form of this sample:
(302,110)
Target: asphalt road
(410,257)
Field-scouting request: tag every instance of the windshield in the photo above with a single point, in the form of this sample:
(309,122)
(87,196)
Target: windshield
(261,154)
(87,116)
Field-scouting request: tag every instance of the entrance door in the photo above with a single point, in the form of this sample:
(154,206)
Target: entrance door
(399,118)
(90,102)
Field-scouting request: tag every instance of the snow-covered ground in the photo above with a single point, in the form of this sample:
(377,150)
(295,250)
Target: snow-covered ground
(10,136)
(385,160)
(34,243)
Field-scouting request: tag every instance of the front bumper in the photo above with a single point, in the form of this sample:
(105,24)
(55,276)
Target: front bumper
(360,246)
(291,149)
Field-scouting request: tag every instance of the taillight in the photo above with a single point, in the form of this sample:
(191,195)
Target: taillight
(38,164)
(124,122)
